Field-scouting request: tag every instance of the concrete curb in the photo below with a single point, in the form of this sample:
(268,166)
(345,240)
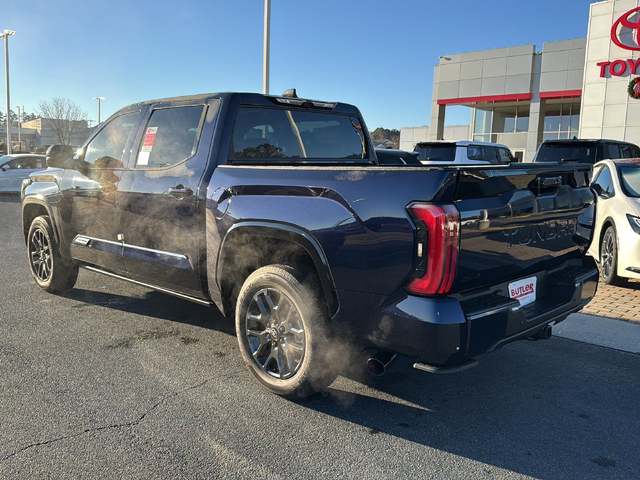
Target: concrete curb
(601,331)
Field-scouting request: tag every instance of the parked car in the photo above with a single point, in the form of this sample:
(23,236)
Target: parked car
(387,156)
(15,168)
(276,210)
(463,153)
(584,151)
(616,245)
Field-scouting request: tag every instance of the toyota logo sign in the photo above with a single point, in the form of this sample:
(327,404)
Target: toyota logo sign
(624,25)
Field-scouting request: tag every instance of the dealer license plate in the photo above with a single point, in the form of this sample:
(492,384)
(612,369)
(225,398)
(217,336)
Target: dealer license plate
(524,290)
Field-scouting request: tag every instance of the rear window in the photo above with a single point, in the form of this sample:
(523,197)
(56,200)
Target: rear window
(278,133)
(436,152)
(558,152)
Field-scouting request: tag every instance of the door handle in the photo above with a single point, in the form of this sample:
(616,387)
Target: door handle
(180,192)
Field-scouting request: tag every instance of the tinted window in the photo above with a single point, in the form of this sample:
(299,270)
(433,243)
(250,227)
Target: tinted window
(436,152)
(483,153)
(386,157)
(629,151)
(505,155)
(557,152)
(107,147)
(171,136)
(280,133)
(23,163)
(630,180)
(605,181)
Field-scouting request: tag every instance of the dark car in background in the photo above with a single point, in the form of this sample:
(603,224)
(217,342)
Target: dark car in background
(389,156)
(584,151)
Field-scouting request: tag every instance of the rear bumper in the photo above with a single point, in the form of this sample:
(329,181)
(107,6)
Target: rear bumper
(446,332)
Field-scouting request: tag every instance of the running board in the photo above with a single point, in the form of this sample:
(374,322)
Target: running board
(159,289)
(444,370)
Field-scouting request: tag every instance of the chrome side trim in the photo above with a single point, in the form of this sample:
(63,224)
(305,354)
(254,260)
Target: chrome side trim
(159,289)
(84,240)
(159,252)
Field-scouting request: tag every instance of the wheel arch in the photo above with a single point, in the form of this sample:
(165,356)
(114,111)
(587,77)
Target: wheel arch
(608,222)
(35,207)
(258,244)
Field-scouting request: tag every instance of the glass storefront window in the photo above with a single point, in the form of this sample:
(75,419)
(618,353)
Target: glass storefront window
(552,118)
(575,117)
(522,123)
(561,121)
(566,117)
(504,120)
(482,123)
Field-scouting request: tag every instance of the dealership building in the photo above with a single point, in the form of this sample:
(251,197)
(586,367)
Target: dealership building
(520,96)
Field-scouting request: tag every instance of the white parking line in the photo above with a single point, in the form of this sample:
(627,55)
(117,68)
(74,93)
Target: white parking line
(605,332)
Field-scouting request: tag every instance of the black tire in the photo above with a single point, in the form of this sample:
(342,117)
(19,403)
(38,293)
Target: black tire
(51,271)
(609,258)
(289,364)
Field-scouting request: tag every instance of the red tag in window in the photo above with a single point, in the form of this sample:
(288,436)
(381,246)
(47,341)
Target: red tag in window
(150,137)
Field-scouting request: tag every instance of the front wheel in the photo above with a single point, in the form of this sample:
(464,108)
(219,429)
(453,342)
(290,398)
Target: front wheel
(51,271)
(609,258)
(283,331)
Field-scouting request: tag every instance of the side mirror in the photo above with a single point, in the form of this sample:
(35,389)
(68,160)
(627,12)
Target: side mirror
(598,189)
(60,156)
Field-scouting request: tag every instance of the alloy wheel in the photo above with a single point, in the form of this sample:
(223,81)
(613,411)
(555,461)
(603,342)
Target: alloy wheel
(608,255)
(40,255)
(275,332)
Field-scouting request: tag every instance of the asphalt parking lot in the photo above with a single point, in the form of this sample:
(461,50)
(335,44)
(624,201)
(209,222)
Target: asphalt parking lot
(114,380)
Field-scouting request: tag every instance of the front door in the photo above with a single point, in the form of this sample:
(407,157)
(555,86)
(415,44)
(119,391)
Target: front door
(161,208)
(92,225)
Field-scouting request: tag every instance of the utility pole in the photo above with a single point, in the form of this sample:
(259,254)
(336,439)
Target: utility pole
(99,99)
(20,109)
(6,34)
(267,46)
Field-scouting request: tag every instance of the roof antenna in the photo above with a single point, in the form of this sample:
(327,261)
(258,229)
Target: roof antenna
(290,93)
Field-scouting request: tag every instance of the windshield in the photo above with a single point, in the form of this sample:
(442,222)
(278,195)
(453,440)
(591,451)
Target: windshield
(630,180)
(558,152)
(436,152)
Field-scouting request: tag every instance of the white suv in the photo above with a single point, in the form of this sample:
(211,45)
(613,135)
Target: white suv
(463,153)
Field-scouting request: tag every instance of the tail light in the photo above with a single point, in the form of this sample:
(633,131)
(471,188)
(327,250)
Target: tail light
(438,233)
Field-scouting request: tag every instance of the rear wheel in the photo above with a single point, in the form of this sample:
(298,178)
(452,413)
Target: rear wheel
(51,271)
(609,258)
(283,331)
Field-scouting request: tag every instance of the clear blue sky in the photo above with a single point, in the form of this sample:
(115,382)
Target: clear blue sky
(376,54)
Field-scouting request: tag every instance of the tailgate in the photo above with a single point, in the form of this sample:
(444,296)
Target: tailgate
(519,220)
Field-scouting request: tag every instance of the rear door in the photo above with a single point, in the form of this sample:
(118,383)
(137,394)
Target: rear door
(518,221)
(160,203)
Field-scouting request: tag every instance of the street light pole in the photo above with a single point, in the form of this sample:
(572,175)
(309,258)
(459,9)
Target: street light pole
(6,34)
(20,108)
(99,99)
(267,46)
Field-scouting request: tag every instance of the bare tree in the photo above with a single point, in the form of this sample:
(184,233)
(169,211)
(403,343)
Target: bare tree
(64,117)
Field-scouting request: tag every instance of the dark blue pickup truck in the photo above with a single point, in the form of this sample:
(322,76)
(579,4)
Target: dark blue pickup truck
(277,209)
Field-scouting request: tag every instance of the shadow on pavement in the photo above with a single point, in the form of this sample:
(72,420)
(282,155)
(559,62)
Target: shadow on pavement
(156,305)
(526,408)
